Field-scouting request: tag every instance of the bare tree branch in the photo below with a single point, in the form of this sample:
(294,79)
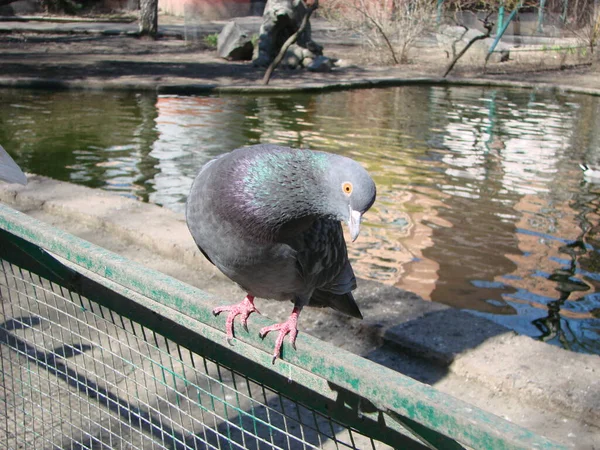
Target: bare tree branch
(388,28)
(488,27)
(380,29)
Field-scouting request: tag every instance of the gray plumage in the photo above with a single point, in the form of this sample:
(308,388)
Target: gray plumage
(269,218)
(9,170)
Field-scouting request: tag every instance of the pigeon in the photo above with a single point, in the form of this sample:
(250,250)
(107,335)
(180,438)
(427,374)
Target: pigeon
(9,170)
(269,217)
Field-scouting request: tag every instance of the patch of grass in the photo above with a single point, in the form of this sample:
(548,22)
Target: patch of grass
(211,40)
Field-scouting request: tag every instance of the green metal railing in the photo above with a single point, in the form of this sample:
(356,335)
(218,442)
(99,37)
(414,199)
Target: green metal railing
(97,351)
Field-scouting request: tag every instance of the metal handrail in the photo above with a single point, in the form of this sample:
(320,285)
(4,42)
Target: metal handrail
(436,419)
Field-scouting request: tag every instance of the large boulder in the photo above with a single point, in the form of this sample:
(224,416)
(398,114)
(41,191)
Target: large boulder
(20,8)
(234,43)
(297,56)
(281,19)
(293,57)
(449,36)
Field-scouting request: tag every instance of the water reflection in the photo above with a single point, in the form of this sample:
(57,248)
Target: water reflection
(481,202)
(94,139)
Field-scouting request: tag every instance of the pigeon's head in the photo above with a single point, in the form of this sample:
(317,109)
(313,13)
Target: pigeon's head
(276,188)
(351,192)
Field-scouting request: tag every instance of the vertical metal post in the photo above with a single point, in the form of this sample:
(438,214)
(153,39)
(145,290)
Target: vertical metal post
(540,21)
(492,119)
(502,30)
(500,24)
(563,16)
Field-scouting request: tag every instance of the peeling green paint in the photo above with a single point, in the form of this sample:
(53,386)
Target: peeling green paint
(328,372)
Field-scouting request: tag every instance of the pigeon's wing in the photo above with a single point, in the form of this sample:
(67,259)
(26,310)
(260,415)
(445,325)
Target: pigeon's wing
(203,173)
(322,262)
(9,170)
(321,252)
(344,283)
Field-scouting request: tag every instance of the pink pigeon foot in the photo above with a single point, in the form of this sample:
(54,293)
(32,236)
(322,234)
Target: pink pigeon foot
(289,326)
(244,308)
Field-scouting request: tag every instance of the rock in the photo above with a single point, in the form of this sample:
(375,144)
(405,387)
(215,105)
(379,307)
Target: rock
(281,19)
(291,61)
(343,63)
(449,34)
(306,53)
(293,57)
(321,64)
(20,8)
(315,48)
(307,62)
(234,44)
(459,37)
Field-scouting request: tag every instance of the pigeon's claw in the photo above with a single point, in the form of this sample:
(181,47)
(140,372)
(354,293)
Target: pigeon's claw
(243,309)
(290,327)
(244,318)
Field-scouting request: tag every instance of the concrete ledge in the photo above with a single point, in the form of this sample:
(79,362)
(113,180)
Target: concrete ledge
(538,373)
(430,336)
(490,354)
(69,19)
(465,345)
(278,86)
(156,228)
(81,26)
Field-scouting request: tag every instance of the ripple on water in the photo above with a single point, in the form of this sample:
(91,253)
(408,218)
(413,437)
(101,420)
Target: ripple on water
(481,203)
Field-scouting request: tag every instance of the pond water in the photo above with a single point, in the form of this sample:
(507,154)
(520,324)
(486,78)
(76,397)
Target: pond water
(481,201)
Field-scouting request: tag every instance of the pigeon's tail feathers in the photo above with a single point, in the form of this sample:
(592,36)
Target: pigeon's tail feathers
(9,170)
(343,303)
(337,294)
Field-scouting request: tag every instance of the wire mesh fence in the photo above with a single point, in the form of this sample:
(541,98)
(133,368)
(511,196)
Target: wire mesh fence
(78,375)
(98,352)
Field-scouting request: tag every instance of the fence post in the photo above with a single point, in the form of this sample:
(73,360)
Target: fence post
(540,22)
(563,16)
(500,24)
(502,30)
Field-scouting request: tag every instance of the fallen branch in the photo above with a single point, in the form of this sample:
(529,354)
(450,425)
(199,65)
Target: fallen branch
(289,42)
(488,28)
(459,39)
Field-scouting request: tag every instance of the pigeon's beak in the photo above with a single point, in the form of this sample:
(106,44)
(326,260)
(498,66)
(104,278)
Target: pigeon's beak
(354,223)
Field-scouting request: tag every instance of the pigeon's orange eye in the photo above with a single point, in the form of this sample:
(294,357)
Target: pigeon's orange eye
(347,188)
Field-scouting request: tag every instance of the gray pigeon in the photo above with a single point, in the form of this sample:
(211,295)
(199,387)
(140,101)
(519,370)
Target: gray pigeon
(269,218)
(9,170)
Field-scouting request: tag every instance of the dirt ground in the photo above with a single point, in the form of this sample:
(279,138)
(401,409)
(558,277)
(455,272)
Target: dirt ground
(105,60)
